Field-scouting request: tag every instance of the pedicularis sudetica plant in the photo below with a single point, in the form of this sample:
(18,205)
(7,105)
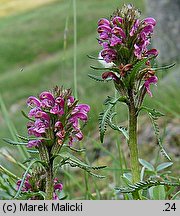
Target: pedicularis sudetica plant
(127,57)
(53,127)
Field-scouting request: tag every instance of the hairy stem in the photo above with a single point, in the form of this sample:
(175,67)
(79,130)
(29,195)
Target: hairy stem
(49,181)
(45,156)
(133,139)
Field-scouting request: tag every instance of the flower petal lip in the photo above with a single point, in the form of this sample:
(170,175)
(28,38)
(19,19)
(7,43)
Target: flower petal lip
(33,143)
(84,107)
(33,101)
(103,21)
(33,111)
(109,55)
(70,100)
(150,20)
(79,115)
(104,28)
(57,110)
(148,29)
(46,95)
(104,36)
(150,80)
(116,20)
(42,115)
(115,41)
(58,186)
(79,135)
(58,125)
(135,27)
(47,100)
(118,31)
(152,52)
(106,75)
(46,103)
(60,101)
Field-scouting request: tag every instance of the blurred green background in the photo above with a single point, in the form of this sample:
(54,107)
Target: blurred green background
(37,53)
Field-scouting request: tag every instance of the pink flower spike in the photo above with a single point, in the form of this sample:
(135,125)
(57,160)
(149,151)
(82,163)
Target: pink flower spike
(33,101)
(151,80)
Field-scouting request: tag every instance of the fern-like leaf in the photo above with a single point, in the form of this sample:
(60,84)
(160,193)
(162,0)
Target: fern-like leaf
(96,78)
(154,115)
(118,128)
(26,116)
(144,185)
(165,67)
(75,162)
(104,118)
(93,57)
(114,69)
(9,141)
(156,130)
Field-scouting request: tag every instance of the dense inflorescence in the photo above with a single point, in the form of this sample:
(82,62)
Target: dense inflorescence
(55,118)
(125,40)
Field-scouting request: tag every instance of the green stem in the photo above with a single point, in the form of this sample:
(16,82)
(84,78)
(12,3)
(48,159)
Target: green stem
(49,181)
(45,156)
(133,146)
(133,141)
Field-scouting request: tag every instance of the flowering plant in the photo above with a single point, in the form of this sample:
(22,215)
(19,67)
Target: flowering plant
(54,120)
(127,58)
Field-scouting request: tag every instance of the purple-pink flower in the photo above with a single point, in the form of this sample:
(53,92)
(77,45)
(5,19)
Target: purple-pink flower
(126,40)
(150,80)
(55,116)
(109,55)
(27,185)
(30,185)
(119,32)
(134,27)
(33,143)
